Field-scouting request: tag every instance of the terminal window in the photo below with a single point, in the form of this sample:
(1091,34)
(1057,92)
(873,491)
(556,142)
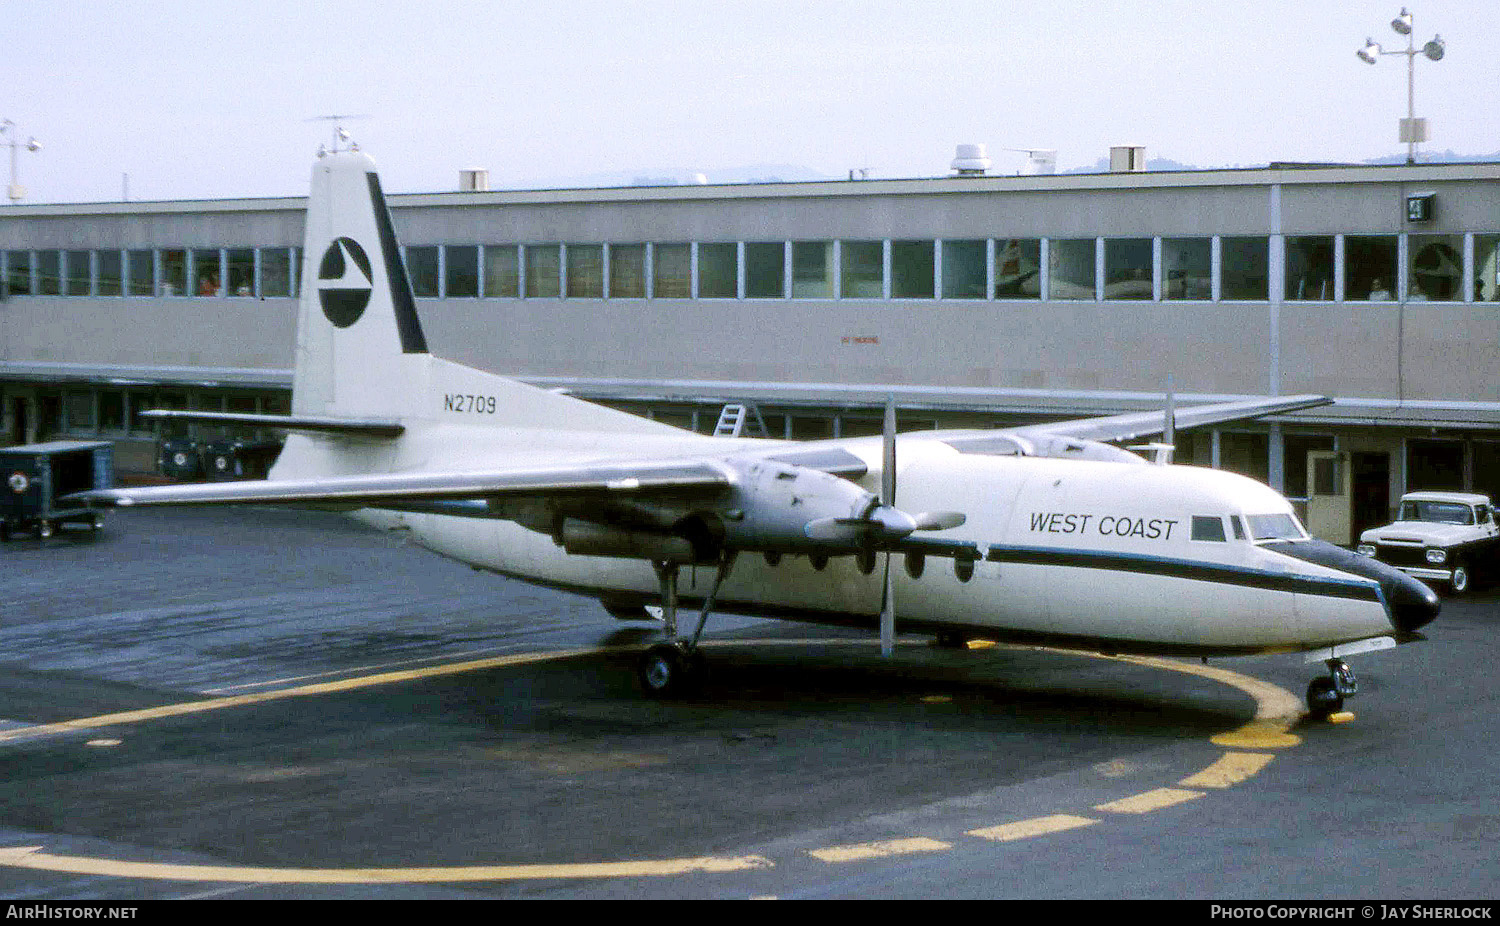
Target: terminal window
(1018,268)
(585,271)
(1435,268)
(275,272)
(1187,268)
(241,265)
(718,270)
(422,271)
(1070,262)
(1487,268)
(765,269)
(1244,268)
(913,269)
(49,272)
(173,273)
(543,271)
(78,273)
(502,270)
(18,272)
(671,271)
(1309,268)
(862,266)
(461,270)
(206,273)
(1370,267)
(1127,268)
(963,269)
(142,273)
(109,273)
(627,271)
(812,270)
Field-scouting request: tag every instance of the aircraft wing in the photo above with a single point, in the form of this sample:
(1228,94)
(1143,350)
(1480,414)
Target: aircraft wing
(1139,424)
(404,489)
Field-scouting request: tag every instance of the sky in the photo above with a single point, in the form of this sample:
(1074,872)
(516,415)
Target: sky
(209,99)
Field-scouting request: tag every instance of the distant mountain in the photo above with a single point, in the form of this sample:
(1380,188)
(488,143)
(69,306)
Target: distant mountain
(755,173)
(1101,166)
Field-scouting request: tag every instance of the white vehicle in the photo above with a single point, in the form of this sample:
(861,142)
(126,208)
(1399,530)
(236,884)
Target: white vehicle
(1040,534)
(1446,537)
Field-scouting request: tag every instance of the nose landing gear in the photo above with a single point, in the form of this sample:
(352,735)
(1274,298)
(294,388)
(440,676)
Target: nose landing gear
(1325,695)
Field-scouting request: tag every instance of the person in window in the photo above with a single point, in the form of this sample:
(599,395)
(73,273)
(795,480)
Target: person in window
(208,286)
(1378,292)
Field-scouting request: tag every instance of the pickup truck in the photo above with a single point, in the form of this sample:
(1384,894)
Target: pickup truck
(1450,538)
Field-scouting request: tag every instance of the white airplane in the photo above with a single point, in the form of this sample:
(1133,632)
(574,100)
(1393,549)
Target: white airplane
(1039,534)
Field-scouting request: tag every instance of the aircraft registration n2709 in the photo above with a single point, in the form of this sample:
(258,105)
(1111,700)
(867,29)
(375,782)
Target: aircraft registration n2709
(1045,534)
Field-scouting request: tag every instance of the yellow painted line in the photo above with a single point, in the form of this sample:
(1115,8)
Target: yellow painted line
(1037,826)
(32,857)
(1276,709)
(884,849)
(1231,769)
(1149,801)
(164,711)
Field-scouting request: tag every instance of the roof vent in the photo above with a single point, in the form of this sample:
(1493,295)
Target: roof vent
(971,161)
(1039,161)
(1127,159)
(473,179)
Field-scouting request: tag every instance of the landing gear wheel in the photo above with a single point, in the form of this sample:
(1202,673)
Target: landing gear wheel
(1459,584)
(670,671)
(1323,697)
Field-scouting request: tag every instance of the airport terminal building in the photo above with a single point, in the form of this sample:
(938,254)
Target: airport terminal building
(974,300)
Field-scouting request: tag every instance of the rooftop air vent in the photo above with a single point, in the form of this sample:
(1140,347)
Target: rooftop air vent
(971,161)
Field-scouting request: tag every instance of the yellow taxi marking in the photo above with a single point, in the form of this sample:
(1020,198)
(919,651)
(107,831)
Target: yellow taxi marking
(1231,769)
(1037,826)
(302,691)
(1149,801)
(32,857)
(1276,711)
(884,849)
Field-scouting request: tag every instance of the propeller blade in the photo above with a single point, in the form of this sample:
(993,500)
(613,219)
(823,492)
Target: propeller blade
(888,456)
(888,612)
(888,503)
(939,520)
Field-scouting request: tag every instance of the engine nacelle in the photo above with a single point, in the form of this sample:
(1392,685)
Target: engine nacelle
(772,504)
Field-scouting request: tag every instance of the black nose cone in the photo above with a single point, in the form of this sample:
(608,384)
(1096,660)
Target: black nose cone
(1413,603)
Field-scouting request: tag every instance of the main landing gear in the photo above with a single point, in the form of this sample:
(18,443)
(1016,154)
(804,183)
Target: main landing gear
(1325,695)
(677,667)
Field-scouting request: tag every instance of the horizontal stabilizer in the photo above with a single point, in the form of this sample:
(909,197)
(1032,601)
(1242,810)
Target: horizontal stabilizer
(367,427)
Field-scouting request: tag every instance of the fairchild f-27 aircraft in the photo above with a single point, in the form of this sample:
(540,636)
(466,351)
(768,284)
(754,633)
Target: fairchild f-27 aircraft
(1041,534)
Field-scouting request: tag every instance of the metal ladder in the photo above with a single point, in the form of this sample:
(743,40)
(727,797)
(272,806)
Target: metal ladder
(732,419)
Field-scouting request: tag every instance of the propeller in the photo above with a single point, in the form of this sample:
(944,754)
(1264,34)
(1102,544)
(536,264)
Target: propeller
(882,525)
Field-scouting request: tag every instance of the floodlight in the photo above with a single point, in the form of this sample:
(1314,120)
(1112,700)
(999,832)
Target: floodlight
(35,145)
(1369,53)
(1402,23)
(1434,49)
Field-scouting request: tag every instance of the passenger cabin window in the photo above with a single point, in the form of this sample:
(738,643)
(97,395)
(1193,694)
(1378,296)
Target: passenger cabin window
(1208,528)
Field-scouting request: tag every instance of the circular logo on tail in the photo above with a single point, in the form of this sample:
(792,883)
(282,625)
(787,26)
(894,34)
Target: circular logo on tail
(344,282)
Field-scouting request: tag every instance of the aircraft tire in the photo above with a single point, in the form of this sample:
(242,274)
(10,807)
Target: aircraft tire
(666,671)
(1323,697)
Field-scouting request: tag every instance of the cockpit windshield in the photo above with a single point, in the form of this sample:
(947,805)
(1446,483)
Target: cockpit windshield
(1274,527)
(1440,512)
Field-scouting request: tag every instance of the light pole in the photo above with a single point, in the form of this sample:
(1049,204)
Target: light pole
(8,129)
(1413,130)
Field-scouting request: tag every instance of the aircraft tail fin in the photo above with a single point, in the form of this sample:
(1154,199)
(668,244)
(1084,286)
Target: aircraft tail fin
(361,353)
